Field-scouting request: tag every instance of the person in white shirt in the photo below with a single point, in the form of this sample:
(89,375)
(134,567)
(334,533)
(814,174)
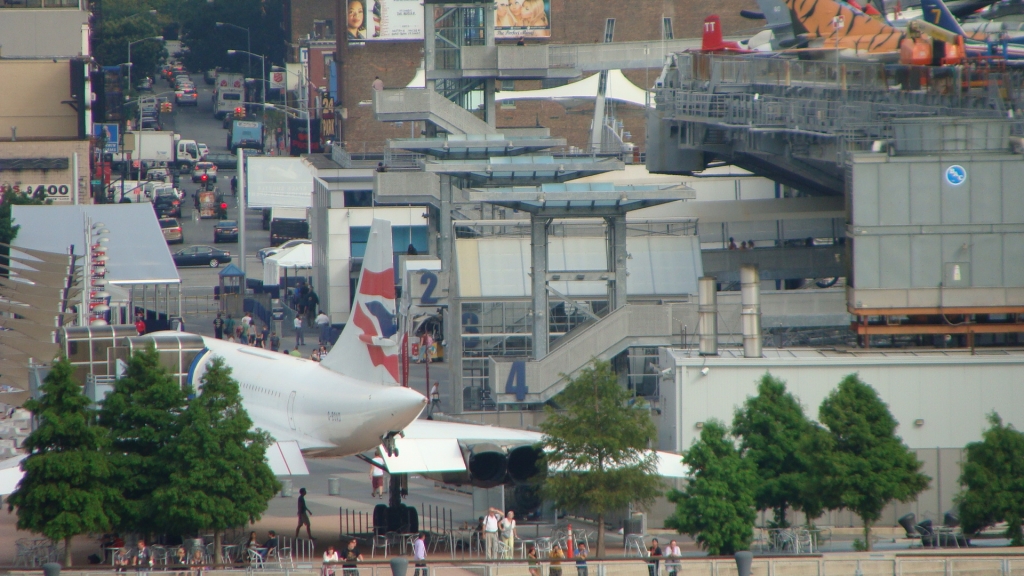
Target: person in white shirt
(419,555)
(299,339)
(672,553)
(491,532)
(331,555)
(324,324)
(377,477)
(508,532)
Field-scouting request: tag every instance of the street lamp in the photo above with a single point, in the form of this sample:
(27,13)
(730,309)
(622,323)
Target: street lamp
(309,134)
(248,39)
(263,65)
(160,38)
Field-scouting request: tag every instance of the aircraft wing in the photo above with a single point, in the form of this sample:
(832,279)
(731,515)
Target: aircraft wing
(10,474)
(285,459)
(431,446)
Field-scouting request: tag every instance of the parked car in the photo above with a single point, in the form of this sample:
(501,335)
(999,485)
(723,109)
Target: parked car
(225,231)
(172,231)
(146,85)
(269,251)
(204,150)
(167,205)
(160,174)
(201,256)
(207,168)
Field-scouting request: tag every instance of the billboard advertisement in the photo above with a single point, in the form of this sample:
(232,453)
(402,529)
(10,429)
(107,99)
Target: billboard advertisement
(371,20)
(109,136)
(522,18)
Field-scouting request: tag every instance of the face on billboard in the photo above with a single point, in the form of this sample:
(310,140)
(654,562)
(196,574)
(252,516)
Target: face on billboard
(384,20)
(522,18)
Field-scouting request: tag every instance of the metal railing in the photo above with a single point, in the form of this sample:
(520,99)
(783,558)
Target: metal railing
(200,304)
(426,104)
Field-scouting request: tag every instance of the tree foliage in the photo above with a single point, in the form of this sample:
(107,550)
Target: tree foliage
(993,480)
(717,507)
(598,454)
(868,465)
(774,433)
(141,416)
(207,46)
(65,490)
(219,475)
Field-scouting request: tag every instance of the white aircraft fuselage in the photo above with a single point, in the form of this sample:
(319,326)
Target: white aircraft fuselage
(298,399)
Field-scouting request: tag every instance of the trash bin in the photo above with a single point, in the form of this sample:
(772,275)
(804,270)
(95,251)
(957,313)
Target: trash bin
(744,559)
(51,569)
(399,566)
(334,486)
(286,488)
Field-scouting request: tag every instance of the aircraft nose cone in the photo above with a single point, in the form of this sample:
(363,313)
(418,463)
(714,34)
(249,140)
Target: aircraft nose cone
(402,405)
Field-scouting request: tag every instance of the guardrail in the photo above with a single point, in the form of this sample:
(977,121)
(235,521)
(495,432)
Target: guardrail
(816,565)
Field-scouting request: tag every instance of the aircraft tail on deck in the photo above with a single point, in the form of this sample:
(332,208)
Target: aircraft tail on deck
(366,349)
(712,39)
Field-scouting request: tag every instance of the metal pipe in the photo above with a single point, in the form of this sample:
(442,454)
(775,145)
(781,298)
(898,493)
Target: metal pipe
(707,315)
(750,312)
(241,215)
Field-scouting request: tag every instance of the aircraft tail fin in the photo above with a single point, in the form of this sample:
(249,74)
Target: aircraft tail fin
(712,39)
(936,12)
(780,21)
(367,349)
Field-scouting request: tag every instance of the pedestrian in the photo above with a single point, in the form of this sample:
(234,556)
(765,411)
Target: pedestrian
(581,559)
(331,555)
(218,327)
(426,341)
(234,186)
(299,340)
(265,336)
(275,342)
(491,532)
(419,554)
(672,553)
(140,324)
(257,337)
(532,560)
(556,557)
(435,393)
(378,84)
(295,353)
(377,476)
(508,533)
(655,554)
(143,560)
(324,324)
(732,244)
(229,328)
(304,514)
(312,302)
(352,555)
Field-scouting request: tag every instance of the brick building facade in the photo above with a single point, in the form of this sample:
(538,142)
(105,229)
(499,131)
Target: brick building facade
(572,22)
(306,18)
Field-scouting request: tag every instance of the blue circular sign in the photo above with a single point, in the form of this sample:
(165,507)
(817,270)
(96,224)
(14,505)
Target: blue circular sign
(956,174)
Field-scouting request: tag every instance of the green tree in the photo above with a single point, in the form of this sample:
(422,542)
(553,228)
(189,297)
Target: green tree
(220,478)
(598,454)
(8,229)
(993,480)
(65,491)
(141,416)
(717,505)
(773,431)
(206,45)
(869,465)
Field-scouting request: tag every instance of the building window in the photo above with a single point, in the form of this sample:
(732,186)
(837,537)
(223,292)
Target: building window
(666,29)
(609,30)
(328,60)
(508,85)
(508,104)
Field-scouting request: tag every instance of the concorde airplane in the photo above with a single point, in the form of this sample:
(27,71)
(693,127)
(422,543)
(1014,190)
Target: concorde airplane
(351,403)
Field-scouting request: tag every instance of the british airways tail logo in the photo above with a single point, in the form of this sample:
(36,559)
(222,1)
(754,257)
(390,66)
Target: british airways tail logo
(374,319)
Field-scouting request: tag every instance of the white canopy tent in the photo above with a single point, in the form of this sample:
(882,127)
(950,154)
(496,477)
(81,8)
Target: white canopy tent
(619,88)
(295,258)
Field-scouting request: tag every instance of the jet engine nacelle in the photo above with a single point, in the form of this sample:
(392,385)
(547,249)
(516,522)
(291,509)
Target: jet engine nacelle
(489,465)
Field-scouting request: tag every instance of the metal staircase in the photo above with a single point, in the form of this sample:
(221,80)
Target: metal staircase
(423,104)
(630,326)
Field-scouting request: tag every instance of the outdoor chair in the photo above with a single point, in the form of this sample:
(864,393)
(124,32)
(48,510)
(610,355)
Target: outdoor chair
(255,560)
(380,541)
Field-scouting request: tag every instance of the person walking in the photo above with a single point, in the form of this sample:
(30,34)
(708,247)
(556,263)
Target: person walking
(265,336)
(299,340)
(419,554)
(491,532)
(218,327)
(304,514)
(229,328)
(508,533)
(324,324)
(377,476)
(275,342)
